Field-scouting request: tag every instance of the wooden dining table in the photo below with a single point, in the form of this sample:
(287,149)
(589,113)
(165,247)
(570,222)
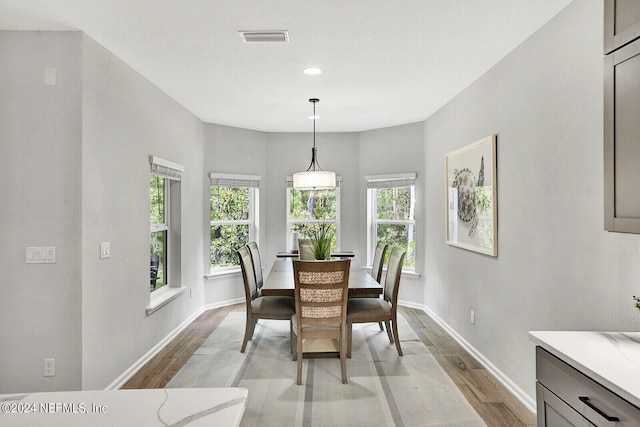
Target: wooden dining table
(280,280)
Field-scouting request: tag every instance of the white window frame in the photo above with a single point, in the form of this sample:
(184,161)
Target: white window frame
(172,174)
(243,181)
(375,182)
(156,227)
(290,222)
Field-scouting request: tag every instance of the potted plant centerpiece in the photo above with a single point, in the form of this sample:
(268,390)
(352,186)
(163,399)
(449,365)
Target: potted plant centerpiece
(321,238)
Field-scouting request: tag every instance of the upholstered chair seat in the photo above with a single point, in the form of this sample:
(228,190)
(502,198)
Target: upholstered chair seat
(362,310)
(273,307)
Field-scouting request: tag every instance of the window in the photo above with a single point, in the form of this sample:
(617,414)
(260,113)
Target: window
(307,209)
(391,214)
(164,183)
(234,216)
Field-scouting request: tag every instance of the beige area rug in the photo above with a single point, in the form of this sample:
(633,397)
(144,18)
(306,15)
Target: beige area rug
(383,389)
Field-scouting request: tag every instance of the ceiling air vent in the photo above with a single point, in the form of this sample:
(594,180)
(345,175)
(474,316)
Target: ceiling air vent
(276,36)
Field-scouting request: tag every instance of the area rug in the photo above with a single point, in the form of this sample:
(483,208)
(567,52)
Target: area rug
(383,390)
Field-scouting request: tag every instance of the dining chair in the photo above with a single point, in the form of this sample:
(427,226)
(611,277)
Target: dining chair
(321,293)
(257,264)
(368,310)
(378,261)
(260,307)
(305,249)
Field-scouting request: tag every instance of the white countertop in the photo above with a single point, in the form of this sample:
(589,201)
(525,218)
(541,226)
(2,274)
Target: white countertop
(153,407)
(609,358)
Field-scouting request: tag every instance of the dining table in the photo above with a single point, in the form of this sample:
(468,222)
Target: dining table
(280,281)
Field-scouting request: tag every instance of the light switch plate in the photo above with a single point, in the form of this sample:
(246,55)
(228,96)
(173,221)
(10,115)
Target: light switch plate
(41,255)
(105,250)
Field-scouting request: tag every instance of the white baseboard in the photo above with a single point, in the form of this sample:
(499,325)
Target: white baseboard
(512,387)
(222,304)
(130,372)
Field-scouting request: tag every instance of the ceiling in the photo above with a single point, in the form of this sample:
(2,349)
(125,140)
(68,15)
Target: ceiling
(384,63)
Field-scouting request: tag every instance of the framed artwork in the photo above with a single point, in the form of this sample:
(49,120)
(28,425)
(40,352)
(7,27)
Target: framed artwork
(472,208)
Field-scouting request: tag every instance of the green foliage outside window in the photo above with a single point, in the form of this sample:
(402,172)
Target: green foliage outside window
(311,210)
(312,204)
(397,236)
(225,241)
(394,203)
(156,193)
(394,218)
(230,224)
(229,204)
(158,237)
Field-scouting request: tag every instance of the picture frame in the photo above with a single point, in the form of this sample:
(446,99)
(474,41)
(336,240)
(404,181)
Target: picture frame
(471,197)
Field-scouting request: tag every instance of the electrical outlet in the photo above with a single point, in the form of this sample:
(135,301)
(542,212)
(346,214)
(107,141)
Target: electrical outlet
(49,368)
(473,317)
(50,78)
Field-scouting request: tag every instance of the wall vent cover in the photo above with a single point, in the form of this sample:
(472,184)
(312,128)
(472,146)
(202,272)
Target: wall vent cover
(274,36)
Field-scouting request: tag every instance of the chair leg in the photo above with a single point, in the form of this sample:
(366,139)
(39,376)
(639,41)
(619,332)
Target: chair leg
(248,331)
(395,334)
(294,353)
(349,338)
(343,359)
(299,357)
(389,331)
(381,328)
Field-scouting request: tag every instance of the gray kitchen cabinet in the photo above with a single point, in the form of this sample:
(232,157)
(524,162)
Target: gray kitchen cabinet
(568,397)
(621,23)
(622,124)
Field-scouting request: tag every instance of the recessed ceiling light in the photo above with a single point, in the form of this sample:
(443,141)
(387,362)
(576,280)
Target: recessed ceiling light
(312,71)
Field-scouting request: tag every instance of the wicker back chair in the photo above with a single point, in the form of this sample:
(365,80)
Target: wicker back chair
(321,293)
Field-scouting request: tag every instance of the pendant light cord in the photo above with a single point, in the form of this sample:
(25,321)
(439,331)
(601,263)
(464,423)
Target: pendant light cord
(314,156)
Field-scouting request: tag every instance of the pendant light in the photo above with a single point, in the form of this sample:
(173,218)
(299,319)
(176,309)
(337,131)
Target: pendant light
(314,178)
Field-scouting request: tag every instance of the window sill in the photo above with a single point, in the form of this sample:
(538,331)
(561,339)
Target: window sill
(163,296)
(223,273)
(411,274)
(405,273)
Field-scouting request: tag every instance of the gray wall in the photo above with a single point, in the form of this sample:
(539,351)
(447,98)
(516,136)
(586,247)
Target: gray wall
(125,119)
(389,150)
(240,151)
(77,174)
(40,205)
(556,268)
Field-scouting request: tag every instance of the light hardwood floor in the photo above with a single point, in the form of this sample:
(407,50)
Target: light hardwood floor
(487,396)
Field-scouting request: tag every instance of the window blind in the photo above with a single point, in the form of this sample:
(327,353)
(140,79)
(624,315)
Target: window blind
(391,180)
(234,180)
(165,169)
